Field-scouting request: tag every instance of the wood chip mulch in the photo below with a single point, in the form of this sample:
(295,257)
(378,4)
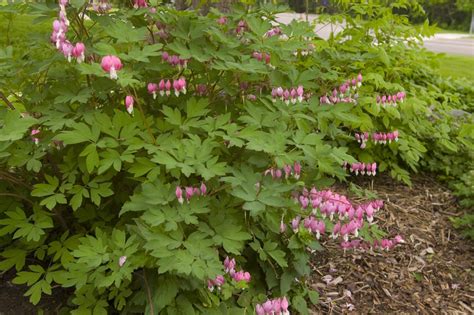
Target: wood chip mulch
(432,273)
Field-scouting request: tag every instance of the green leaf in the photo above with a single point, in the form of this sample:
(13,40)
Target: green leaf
(279,257)
(13,127)
(299,304)
(13,257)
(77,3)
(165,293)
(286,281)
(81,133)
(125,32)
(197,108)
(173,116)
(313,297)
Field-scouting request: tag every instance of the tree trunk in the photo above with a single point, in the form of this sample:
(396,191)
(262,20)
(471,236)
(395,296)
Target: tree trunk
(180,5)
(224,6)
(471,30)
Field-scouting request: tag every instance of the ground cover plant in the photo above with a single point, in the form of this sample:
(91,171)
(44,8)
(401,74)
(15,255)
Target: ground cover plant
(160,161)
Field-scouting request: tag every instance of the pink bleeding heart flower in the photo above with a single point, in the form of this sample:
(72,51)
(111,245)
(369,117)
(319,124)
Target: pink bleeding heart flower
(210,285)
(179,194)
(398,239)
(78,52)
(293,95)
(359,79)
(122,260)
(259,310)
(286,97)
(278,173)
(203,189)
(268,307)
(189,192)
(395,135)
(297,170)
(300,93)
(33,133)
(336,229)
(182,84)
(284,305)
(129,104)
(282,226)
(111,64)
(279,92)
(162,87)
(66,48)
(168,87)
(287,169)
(257,55)
(152,88)
(229,265)
(295,223)
(222,20)
(220,280)
(267,58)
(140,4)
(304,202)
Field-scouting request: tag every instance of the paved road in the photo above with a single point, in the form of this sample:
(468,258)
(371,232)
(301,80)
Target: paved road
(444,43)
(459,45)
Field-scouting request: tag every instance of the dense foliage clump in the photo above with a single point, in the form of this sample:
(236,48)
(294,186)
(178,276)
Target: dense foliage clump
(160,161)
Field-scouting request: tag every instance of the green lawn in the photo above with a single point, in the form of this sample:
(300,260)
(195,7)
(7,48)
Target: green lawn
(457,66)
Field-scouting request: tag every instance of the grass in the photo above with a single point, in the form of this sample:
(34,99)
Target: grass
(457,66)
(445,31)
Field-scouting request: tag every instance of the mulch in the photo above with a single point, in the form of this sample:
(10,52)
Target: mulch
(432,273)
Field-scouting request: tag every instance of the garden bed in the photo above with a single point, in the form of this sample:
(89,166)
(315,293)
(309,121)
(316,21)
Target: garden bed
(430,273)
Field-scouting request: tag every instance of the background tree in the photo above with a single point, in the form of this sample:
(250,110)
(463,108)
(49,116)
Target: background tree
(467,5)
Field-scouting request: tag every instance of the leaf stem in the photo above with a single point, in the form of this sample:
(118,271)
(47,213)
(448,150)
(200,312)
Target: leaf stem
(148,293)
(5,99)
(17,196)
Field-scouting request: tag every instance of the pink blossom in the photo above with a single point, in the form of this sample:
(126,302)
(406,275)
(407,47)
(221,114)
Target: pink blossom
(297,170)
(162,87)
(152,88)
(222,20)
(229,264)
(122,260)
(111,64)
(295,223)
(287,169)
(129,104)
(189,192)
(284,305)
(66,48)
(33,133)
(140,4)
(78,52)
(168,88)
(203,189)
(304,202)
(179,194)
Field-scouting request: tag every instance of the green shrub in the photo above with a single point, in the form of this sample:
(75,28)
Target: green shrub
(135,202)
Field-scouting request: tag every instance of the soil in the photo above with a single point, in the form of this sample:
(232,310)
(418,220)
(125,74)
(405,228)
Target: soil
(12,301)
(432,273)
